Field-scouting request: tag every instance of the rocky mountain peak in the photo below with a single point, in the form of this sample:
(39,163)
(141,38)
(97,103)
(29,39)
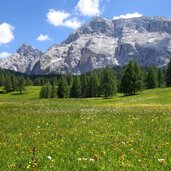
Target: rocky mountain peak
(27,50)
(98,43)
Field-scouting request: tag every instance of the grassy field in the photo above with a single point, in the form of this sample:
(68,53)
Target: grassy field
(122,133)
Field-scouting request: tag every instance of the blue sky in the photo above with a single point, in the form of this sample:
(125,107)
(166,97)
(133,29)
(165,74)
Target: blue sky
(44,22)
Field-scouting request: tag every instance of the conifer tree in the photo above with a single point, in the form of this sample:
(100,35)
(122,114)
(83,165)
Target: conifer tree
(132,80)
(29,82)
(108,85)
(76,88)
(93,85)
(53,91)
(7,85)
(160,77)
(168,74)
(2,79)
(84,86)
(21,84)
(14,82)
(63,89)
(152,78)
(45,91)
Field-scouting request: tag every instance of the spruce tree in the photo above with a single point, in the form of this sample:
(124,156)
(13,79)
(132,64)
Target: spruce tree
(168,74)
(14,82)
(93,85)
(152,78)
(108,84)
(132,80)
(63,89)
(21,84)
(7,85)
(2,79)
(53,91)
(160,77)
(84,86)
(45,91)
(76,87)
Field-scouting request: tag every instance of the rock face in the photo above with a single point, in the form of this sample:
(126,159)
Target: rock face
(104,42)
(23,60)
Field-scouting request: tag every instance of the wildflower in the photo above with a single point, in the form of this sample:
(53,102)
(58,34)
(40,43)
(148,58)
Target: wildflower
(92,160)
(161,160)
(38,126)
(49,157)
(28,166)
(123,143)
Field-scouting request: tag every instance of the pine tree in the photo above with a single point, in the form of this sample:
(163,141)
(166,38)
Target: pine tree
(84,86)
(168,74)
(29,82)
(108,84)
(93,85)
(7,85)
(45,91)
(2,79)
(160,77)
(63,89)
(14,82)
(21,84)
(53,91)
(132,80)
(76,88)
(152,78)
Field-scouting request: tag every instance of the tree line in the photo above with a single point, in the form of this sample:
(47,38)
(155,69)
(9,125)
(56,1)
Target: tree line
(106,82)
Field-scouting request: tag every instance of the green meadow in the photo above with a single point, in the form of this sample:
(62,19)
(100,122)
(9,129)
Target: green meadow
(122,133)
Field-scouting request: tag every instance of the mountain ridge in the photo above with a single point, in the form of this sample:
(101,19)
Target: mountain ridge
(103,42)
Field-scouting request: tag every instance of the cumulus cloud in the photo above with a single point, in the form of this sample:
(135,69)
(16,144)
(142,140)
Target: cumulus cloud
(127,16)
(4,55)
(42,38)
(62,18)
(6,33)
(89,7)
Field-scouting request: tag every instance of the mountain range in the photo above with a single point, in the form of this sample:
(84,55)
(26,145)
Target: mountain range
(99,43)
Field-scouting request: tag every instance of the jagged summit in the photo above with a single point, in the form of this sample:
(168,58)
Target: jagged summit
(22,60)
(102,42)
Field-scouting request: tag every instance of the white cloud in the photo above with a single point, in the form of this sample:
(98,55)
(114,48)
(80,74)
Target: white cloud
(6,33)
(127,16)
(62,18)
(57,18)
(72,23)
(43,38)
(4,55)
(89,7)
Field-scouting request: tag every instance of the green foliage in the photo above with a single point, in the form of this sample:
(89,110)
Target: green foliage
(160,77)
(93,85)
(152,78)
(63,88)
(21,84)
(132,79)
(108,83)
(46,91)
(76,88)
(168,75)
(7,85)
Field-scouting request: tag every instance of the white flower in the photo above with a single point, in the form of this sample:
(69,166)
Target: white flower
(161,160)
(38,126)
(92,160)
(49,157)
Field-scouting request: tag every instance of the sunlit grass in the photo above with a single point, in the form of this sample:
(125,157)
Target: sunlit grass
(123,133)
